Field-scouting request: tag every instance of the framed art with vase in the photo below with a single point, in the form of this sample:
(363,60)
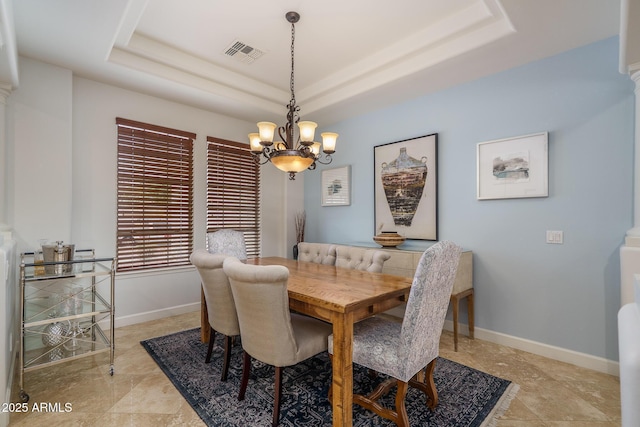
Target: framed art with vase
(406,187)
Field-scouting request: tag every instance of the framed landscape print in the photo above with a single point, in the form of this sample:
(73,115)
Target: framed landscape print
(513,167)
(406,187)
(336,186)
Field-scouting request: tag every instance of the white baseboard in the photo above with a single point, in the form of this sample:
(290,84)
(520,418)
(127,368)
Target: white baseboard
(156,314)
(583,360)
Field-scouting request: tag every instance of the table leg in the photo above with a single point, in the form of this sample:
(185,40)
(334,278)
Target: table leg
(455,301)
(343,370)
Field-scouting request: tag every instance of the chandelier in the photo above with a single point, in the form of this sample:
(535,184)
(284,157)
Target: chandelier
(296,152)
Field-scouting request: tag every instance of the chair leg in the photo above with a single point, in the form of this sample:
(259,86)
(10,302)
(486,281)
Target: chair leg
(227,357)
(431,385)
(246,369)
(402,419)
(428,386)
(277,395)
(212,337)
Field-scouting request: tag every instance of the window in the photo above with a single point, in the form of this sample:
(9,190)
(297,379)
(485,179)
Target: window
(233,191)
(155,196)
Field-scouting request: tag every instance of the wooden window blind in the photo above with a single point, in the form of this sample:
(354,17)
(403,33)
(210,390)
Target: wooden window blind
(155,196)
(233,191)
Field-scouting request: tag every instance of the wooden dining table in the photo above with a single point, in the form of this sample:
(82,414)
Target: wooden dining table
(341,297)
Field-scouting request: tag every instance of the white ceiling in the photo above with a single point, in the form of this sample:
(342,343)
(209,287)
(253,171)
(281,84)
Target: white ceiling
(351,56)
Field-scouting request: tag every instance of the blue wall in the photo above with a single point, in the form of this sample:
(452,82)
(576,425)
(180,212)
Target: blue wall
(561,295)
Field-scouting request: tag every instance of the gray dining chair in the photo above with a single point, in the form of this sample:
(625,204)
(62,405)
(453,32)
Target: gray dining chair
(356,258)
(269,332)
(228,242)
(402,350)
(319,253)
(221,308)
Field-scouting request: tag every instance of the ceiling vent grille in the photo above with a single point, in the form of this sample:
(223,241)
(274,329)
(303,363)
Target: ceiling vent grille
(243,52)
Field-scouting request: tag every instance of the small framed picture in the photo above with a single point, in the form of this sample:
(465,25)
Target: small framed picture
(336,186)
(513,167)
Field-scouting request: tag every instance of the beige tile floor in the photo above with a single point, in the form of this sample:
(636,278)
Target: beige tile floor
(552,394)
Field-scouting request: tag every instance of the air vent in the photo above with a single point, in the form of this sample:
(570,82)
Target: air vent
(243,52)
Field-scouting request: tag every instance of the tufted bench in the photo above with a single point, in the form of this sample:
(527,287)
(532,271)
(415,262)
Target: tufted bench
(320,253)
(356,258)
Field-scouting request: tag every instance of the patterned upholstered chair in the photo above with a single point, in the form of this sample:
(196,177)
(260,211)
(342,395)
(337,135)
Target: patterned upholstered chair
(270,332)
(228,242)
(221,309)
(356,258)
(402,350)
(319,253)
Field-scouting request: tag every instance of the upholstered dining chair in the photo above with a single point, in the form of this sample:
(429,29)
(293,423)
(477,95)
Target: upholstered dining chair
(319,253)
(227,241)
(402,350)
(269,332)
(221,308)
(356,258)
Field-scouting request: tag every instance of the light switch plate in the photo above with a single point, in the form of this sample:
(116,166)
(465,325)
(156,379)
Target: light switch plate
(555,237)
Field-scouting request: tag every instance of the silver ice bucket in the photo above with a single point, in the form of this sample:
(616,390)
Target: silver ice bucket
(58,253)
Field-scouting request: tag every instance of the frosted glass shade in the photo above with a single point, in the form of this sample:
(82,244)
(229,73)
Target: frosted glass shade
(290,161)
(315,148)
(307,131)
(266,130)
(254,142)
(329,142)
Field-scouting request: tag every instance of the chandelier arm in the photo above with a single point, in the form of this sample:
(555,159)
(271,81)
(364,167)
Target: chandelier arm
(282,131)
(258,158)
(328,159)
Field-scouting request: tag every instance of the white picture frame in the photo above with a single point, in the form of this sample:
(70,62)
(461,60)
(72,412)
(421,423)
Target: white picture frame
(512,168)
(336,186)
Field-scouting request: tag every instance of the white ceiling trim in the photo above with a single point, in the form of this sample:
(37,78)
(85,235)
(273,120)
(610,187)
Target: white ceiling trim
(480,23)
(471,28)
(176,75)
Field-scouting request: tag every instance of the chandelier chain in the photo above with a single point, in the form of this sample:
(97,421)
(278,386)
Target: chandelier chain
(293,38)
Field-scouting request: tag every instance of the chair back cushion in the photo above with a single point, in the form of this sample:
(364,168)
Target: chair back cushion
(356,258)
(320,253)
(221,308)
(228,242)
(427,306)
(262,302)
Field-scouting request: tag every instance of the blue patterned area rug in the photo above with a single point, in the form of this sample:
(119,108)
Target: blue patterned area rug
(467,397)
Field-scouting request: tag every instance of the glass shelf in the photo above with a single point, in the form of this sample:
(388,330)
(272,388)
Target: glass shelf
(65,347)
(41,306)
(76,268)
